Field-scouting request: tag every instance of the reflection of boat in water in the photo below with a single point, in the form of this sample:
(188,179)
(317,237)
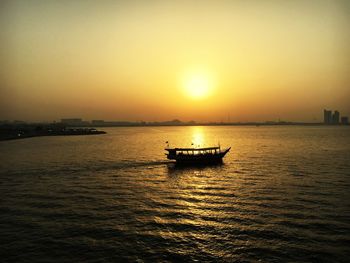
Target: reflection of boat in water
(209,155)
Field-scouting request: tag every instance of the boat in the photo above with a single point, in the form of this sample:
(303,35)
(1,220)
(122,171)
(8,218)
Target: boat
(193,156)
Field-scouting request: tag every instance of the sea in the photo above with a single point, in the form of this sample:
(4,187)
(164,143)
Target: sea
(282,194)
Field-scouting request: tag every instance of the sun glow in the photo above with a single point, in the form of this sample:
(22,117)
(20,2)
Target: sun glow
(197,86)
(197,137)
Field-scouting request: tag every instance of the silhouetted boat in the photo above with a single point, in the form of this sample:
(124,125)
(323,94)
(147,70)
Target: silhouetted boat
(209,155)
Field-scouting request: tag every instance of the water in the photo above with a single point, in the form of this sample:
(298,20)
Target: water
(281,195)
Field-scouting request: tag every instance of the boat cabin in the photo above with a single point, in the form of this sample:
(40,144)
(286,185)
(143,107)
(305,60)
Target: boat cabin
(194,151)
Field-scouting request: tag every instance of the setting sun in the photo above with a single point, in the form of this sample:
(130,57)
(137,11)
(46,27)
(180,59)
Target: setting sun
(197,86)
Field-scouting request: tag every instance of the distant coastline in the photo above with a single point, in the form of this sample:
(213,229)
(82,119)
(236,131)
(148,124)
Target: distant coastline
(21,130)
(154,124)
(87,124)
(14,132)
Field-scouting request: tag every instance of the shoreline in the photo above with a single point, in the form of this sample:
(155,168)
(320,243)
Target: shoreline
(228,124)
(71,132)
(16,133)
(216,124)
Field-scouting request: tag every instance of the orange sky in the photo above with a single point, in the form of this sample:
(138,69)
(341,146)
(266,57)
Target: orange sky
(136,60)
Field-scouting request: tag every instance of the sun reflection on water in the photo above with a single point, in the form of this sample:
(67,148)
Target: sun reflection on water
(198,139)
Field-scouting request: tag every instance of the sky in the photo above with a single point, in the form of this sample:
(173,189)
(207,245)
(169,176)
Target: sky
(162,60)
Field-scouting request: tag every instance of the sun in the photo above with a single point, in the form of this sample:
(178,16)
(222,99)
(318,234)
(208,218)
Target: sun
(197,86)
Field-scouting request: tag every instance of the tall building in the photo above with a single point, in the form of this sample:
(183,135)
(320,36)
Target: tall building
(327,116)
(335,117)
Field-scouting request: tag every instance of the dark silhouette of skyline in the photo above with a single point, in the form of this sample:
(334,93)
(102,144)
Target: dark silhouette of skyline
(333,118)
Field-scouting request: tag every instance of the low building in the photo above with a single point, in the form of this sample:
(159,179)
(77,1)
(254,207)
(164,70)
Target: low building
(75,122)
(97,122)
(344,120)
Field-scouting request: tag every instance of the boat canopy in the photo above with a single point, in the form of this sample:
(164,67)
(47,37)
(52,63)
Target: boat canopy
(193,149)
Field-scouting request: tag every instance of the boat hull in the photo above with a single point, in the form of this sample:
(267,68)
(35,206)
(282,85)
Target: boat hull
(201,161)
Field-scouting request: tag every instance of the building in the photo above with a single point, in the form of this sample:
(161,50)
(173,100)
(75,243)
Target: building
(73,122)
(327,116)
(98,122)
(344,120)
(335,117)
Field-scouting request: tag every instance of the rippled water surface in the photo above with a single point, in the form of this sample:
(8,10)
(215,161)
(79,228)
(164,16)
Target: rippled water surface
(282,194)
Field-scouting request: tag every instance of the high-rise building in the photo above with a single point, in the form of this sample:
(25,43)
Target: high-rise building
(327,116)
(335,117)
